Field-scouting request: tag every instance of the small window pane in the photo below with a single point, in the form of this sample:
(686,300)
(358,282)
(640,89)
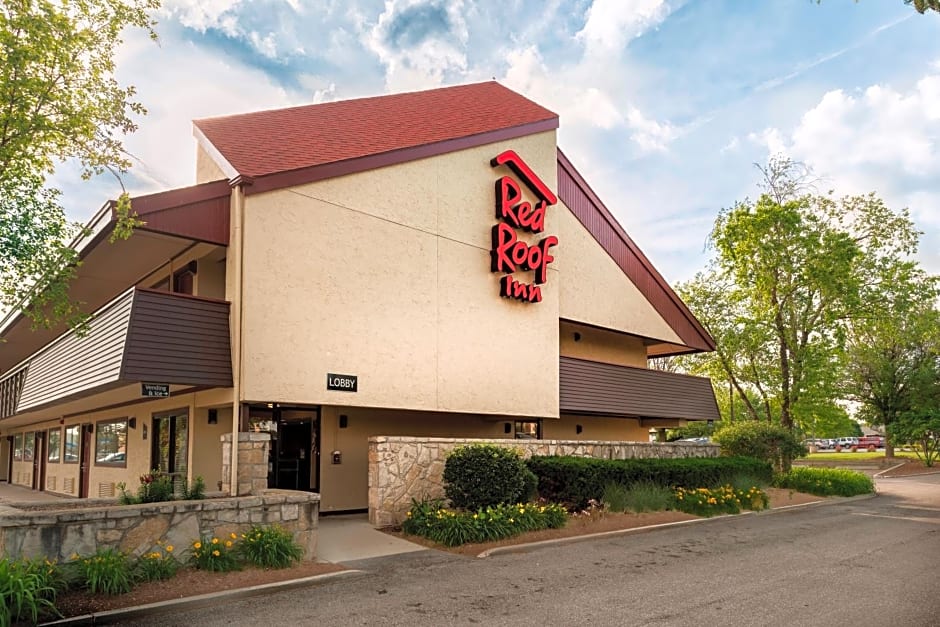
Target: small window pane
(55,446)
(18,447)
(71,444)
(111,442)
(528,430)
(28,442)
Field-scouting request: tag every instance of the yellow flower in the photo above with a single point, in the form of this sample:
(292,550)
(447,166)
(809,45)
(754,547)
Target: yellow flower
(228,544)
(215,540)
(233,536)
(197,545)
(169,548)
(216,553)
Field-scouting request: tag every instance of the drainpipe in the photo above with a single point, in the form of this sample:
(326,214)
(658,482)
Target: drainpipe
(238,239)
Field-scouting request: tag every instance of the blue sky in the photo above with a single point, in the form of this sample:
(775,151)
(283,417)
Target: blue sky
(665,105)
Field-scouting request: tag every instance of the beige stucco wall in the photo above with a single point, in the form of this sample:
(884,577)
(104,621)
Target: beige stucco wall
(599,345)
(386,275)
(596,291)
(595,428)
(206,168)
(204,456)
(345,486)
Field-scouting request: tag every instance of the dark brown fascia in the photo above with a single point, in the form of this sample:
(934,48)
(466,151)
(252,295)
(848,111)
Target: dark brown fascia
(291,178)
(707,342)
(151,203)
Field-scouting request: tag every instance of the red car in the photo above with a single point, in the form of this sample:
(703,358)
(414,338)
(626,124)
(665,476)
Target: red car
(870,442)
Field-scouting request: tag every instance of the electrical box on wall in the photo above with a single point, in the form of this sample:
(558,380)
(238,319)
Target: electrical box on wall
(337,457)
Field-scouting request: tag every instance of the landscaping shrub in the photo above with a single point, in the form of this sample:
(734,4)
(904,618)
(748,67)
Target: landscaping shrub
(481,475)
(269,547)
(722,500)
(762,440)
(826,481)
(27,590)
(643,496)
(577,480)
(196,491)
(157,565)
(105,572)
(451,527)
(215,555)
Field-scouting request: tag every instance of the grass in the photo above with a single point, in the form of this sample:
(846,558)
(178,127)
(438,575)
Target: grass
(848,456)
(639,497)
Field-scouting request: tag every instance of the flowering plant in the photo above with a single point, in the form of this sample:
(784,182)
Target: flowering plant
(213,554)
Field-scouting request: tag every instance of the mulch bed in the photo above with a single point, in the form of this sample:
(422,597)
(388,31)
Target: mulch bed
(909,467)
(187,583)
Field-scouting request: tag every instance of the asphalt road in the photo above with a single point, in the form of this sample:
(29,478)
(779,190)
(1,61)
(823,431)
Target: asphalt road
(862,563)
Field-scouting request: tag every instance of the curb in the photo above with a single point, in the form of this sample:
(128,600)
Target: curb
(517,548)
(196,602)
(916,474)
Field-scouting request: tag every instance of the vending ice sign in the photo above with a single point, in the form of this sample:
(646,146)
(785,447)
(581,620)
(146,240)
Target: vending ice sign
(509,253)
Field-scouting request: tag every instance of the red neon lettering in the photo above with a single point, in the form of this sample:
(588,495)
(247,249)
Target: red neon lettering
(507,192)
(510,288)
(503,239)
(522,169)
(547,258)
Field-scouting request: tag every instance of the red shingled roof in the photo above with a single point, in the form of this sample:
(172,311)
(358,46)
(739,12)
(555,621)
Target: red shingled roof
(269,142)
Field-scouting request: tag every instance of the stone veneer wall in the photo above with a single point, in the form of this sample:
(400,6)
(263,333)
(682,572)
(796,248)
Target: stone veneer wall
(252,463)
(402,468)
(82,527)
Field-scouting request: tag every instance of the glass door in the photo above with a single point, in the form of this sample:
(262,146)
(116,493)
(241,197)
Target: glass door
(170,443)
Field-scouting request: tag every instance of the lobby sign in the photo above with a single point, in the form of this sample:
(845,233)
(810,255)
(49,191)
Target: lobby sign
(509,253)
(342,382)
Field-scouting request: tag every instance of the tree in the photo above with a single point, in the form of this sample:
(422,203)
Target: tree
(789,272)
(893,352)
(921,6)
(58,100)
(920,423)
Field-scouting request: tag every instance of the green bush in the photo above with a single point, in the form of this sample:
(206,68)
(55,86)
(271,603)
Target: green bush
(575,481)
(28,589)
(451,527)
(196,491)
(106,572)
(157,565)
(643,496)
(215,554)
(481,475)
(761,440)
(826,481)
(269,547)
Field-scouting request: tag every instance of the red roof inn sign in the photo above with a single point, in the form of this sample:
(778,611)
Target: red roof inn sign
(509,253)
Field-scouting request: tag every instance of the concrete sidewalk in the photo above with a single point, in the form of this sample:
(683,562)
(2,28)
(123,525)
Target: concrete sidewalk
(350,537)
(10,493)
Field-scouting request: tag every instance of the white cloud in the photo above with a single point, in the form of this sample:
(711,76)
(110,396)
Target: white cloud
(650,135)
(880,139)
(611,24)
(202,15)
(419,42)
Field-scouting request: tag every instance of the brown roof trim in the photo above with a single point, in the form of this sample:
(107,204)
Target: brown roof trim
(597,219)
(280,180)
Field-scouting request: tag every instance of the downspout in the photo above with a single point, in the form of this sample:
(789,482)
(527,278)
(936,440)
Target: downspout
(237,238)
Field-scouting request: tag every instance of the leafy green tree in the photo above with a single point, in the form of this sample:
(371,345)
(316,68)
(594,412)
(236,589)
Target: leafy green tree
(893,354)
(922,6)
(790,271)
(770,442)
(58,100)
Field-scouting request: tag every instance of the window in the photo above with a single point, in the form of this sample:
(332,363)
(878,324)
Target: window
(18,447)
(72,435)
(528,429)
(55,446)
(170,442)
(184,281)
(111,442)
(29,442)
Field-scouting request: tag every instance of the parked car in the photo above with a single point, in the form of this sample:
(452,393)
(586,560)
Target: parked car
(871,442)
(827,443)
(846,444)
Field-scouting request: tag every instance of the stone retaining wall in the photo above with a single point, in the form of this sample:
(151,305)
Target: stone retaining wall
(58,531)
(402,468)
